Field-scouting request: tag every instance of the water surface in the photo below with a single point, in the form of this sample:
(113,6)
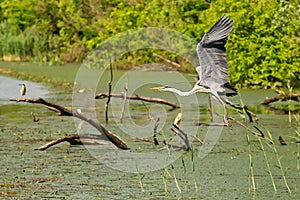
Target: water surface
(10,88)
(78,172)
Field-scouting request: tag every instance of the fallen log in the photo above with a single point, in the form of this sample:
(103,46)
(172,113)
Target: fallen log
(141,98)
(282,97)
(64,111)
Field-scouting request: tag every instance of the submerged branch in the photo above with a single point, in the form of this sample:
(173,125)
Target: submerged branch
(73,139)
(64,111)
(141,98)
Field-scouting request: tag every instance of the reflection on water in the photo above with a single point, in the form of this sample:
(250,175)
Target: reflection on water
(10,88)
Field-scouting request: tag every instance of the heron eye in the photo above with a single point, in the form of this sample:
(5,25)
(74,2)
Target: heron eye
(166,86)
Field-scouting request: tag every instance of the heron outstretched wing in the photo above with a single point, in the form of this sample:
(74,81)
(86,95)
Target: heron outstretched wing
(212,54)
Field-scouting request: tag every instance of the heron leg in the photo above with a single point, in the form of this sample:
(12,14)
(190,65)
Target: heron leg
(225,110)
(225,115)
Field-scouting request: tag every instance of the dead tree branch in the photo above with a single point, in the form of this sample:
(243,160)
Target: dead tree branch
(141,98)
(209,124)
(154,136)
(182,135)
(63,111)
(167,60)
(250,114)
(109,92)
(282,97)
(260,134)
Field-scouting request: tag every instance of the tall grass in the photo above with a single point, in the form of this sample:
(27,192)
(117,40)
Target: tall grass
(267,163)
(140,178)
(279,163)
(251,170)
(28,45)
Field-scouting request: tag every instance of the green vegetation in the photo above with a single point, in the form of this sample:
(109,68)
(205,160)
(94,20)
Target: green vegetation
(263,48)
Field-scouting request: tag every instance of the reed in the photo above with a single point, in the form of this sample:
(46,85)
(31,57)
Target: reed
(252,185)
(28,45)
(165,180)
(193,168)
(175,179)
(267,163)
(184,172)
(251,170)
(279,163)
(140,179)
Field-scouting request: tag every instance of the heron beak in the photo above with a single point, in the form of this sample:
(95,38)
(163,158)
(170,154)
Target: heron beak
(156,88)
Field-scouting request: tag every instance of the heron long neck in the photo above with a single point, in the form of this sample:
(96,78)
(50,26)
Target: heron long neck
(183,93)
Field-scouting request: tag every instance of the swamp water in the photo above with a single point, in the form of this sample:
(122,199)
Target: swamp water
(218,171)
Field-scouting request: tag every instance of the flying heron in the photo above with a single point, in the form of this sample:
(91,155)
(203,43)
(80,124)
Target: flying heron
(23,89)
(213,68)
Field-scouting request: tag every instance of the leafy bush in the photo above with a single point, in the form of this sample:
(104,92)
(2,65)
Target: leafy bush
(263,49)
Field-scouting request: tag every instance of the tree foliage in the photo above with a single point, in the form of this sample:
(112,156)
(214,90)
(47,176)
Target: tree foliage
(263,49)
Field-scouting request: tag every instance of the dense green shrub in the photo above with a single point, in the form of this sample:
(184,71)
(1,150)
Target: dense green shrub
(263,49)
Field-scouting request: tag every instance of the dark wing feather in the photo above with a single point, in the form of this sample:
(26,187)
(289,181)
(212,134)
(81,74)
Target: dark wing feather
(212,54)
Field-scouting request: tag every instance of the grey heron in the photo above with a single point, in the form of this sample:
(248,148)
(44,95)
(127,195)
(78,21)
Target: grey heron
(213,68)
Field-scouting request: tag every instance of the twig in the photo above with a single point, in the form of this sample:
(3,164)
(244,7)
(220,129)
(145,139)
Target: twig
(246,127)
(141,98)
(155,132)
(281,140)
(145,140)
(250,114)
(154,138)
(261,133)
(196,138)
(34,119)
(182,135)
(63,111)
(109,92)
(209,124)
